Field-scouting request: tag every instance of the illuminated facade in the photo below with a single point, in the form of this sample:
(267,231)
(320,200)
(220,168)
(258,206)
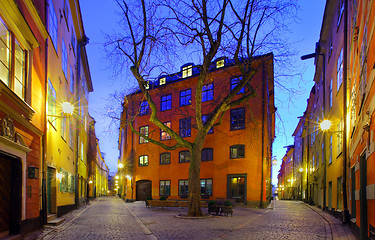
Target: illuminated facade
(234,154)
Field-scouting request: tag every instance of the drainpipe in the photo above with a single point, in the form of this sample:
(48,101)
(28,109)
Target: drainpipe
(345,82)
(44,137)
(81,43)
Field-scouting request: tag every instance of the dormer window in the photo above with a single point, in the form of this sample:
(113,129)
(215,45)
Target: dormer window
(220,63)
(162,81)
(147,85)
(187,71)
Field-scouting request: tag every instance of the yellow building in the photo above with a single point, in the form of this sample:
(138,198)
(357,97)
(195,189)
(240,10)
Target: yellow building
(69,81)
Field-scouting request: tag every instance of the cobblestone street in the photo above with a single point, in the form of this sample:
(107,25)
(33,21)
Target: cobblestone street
(112,218)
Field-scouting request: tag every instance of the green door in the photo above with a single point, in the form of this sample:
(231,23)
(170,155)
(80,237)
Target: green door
(50,172)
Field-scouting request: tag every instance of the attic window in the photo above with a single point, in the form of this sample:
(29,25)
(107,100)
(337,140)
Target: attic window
(187,71)
(220,63)
(147,85)
(162,81)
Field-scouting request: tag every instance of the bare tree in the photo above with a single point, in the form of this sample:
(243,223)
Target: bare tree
(155,30)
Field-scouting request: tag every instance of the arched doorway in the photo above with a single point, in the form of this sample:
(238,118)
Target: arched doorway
(11,194)
(143,190)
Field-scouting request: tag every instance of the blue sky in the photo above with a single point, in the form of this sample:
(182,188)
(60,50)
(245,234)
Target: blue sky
(100,17)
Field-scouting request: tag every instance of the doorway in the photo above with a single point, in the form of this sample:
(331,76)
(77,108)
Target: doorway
(236,187)
(11,195)
(143,190)
(363,197)
(51,190)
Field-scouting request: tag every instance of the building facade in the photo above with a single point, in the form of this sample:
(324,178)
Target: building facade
(339,140)
(236,158)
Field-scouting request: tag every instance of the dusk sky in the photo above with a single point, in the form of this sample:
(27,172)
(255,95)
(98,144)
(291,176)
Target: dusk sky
(100,17)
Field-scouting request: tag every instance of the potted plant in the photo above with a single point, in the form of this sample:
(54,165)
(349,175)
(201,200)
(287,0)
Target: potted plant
(213,207)
(227,208)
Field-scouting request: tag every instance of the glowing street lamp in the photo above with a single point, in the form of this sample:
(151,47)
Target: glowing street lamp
(325,125)
(120,165)
(67,108)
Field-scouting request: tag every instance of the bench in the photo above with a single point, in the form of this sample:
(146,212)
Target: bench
(171,203)
(371,232)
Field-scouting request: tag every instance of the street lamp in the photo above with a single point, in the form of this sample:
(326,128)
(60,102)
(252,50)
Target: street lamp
(325,125)
(120,165)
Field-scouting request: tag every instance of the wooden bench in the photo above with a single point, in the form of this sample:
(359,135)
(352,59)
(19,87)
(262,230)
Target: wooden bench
(371,232)
(154,203)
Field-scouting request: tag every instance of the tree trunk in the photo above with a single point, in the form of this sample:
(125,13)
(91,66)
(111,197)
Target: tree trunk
(194,207)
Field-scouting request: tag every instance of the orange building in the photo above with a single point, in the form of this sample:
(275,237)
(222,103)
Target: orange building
(22,107)
(237,153)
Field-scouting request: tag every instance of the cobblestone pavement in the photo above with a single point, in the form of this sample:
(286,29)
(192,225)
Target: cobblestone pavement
(112,218)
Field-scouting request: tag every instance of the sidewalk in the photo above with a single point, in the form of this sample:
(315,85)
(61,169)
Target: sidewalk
(43,232)
(337,228)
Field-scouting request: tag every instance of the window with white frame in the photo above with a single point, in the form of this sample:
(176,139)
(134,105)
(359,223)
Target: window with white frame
(143,130)
(165,188)
(143,161)
(183,188)
(165,135)
(187,71)
(165,158)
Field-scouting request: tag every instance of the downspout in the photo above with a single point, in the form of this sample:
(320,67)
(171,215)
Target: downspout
(44,137)
(345,83)
(81,43)
(262,163)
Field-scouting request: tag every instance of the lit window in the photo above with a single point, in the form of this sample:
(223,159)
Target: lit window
(165,188)
(339,136)
(183,188)
(166,102)
(143,130)
(234,82)
(51,102)
(237,151)
(207,92)
(12,54)
(220,63)
(143,161)
(185,127)
(185,97)
(164,135)
(237,118)
(184,156)
(206,187)
(162,81)
(165,158)
(187,71)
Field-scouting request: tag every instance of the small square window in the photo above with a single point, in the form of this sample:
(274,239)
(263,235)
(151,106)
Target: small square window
(162,81)
(143,161)
(237,151)
(220,63)
(165,158)
(184,156)
(187,71)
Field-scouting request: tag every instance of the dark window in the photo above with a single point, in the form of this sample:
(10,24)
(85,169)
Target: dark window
(237,151)
(206,187)
(165,158)
(204,120)
(144,131)
(207,154)
(165,188)
(184,156)
(143,161)
(166,102)
(208,92)
(237,118)
(144,108)
(185,97)
(183,188)
(185,127)
(164,135)
(234,82)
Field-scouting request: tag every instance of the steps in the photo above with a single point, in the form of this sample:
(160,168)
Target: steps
(53,221)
